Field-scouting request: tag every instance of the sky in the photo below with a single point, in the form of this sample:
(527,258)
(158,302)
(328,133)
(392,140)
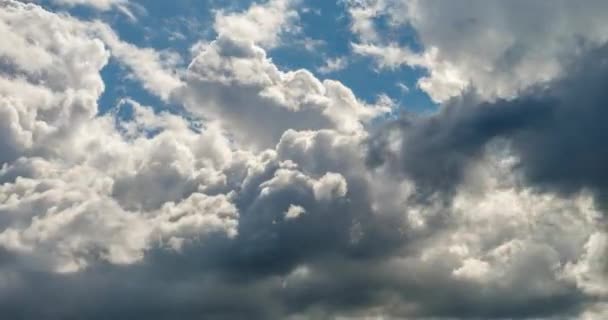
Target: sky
(303,159)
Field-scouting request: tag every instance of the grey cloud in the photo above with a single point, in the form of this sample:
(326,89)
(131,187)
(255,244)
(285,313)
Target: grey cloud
(557,132)
(436,150)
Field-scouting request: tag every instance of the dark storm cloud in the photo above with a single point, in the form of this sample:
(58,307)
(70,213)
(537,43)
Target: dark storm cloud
(222,278)
(435,151)
(169,285)
(255,275)
(558,130)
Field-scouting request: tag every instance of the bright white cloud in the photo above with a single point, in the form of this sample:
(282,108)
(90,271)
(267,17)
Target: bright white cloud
(294,212)
(262,23)
(72,163)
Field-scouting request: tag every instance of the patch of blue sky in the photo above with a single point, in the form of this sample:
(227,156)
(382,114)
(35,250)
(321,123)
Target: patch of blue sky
(119,85)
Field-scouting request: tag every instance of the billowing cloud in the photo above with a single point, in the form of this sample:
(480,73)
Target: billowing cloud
(235,83)
(282,196)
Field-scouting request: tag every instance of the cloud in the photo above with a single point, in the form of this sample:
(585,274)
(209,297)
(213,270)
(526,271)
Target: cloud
(262,24)
(294,212)
(235,83)
(281,196)
(59,163)
(333,65)
(123,6)
(158,72)
(48,89)
(540,126)
(498,48)
(103,5)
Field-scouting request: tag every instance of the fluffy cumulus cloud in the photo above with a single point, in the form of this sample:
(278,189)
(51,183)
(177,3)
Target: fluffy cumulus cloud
(232,82)
(273,194)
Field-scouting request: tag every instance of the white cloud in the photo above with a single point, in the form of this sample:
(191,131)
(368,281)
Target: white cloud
(123,6)
(331,185)
(328,187)
(62,159)
(235,83)
(403,87)
(103,5)
(294,212)
(333,65)
(53,79)
(262,24)
(158,72)
(363,12)
(590,271)
(472,269)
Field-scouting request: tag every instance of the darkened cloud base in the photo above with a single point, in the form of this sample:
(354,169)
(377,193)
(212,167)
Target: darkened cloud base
(253,191)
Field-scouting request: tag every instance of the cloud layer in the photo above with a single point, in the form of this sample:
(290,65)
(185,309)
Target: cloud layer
(274,194)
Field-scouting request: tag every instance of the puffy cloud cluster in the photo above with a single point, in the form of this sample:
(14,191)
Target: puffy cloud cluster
(232,82)
(278,196)
(75,189)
